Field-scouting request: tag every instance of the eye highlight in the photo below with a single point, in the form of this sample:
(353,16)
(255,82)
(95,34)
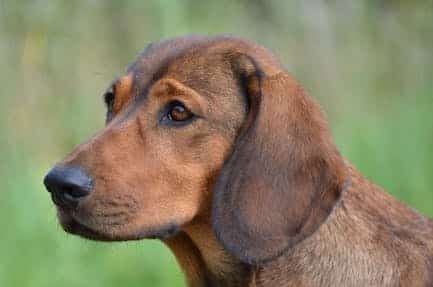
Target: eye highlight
(177,114)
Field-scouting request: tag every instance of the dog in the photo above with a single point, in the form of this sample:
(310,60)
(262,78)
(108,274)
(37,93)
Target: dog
(212,147)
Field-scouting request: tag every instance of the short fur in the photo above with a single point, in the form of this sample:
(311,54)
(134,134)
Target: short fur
(253,192)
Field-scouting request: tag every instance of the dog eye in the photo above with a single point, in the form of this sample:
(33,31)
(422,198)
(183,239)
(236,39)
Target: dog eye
(177,112)
(109,102)
(109,99)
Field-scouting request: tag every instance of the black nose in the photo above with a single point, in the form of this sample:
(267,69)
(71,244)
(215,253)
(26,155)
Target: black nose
(68,185)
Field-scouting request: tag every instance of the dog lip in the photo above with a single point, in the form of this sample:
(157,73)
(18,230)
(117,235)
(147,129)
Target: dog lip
(74,226)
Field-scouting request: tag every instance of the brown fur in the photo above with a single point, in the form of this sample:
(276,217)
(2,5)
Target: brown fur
(253,192)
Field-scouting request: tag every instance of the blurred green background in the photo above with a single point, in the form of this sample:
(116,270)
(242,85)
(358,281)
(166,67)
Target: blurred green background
(369,63)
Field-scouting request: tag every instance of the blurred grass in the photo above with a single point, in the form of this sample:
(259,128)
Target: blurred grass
(369,63)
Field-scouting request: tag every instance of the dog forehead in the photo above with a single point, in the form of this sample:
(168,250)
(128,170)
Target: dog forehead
(202,63)
(156,57)
(183,57)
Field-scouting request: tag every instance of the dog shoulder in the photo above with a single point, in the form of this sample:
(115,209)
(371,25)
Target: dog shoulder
(370,234)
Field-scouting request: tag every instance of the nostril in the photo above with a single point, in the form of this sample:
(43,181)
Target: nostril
(68,185)
(73,190)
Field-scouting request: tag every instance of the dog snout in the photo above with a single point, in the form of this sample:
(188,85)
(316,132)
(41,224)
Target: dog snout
(68,185)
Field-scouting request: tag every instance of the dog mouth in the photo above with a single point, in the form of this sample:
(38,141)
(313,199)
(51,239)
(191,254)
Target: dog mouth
(71,224)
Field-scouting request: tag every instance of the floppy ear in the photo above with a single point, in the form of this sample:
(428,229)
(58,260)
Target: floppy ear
(284,174)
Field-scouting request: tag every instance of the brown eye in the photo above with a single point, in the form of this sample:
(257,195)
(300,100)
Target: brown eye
(179,113)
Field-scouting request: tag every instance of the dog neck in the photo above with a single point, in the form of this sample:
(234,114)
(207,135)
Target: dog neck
(204,260)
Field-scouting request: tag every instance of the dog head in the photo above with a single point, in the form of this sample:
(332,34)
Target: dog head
(209,126)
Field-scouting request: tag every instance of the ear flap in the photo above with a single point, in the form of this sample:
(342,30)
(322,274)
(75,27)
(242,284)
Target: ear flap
(284,174)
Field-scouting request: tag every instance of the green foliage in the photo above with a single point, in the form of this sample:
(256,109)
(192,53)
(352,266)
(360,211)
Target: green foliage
(370,66)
